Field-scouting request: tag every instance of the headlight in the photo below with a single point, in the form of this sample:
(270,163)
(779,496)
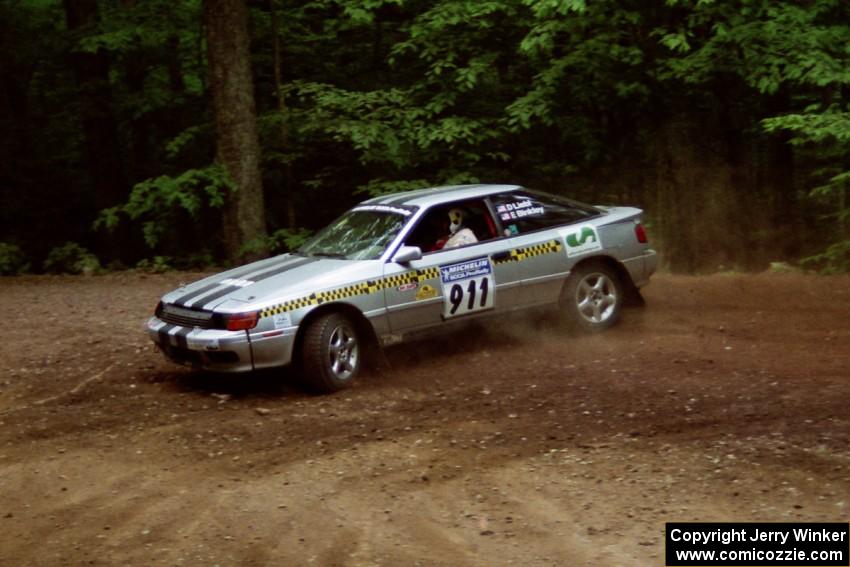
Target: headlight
(241,321)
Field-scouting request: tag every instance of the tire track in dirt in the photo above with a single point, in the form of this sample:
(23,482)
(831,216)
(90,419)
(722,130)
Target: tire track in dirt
(723,399)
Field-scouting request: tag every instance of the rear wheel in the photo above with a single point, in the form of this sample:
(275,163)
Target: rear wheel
(331,353)
(592,298)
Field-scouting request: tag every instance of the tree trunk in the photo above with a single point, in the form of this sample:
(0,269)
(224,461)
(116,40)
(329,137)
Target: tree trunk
(238,144)
(102,147)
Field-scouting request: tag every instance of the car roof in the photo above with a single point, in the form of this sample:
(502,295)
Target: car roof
(435,195)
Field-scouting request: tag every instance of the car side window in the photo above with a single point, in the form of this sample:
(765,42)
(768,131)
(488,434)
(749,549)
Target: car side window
(453,225)
(522,212)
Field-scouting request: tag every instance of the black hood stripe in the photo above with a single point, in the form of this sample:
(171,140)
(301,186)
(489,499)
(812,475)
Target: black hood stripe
(185,299)
(164,338)
(258,278)
(181,337)
(200,291)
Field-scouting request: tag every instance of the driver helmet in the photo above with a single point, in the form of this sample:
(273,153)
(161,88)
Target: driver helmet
(455,220)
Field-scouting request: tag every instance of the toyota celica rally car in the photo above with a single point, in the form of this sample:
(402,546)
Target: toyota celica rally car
(386,270)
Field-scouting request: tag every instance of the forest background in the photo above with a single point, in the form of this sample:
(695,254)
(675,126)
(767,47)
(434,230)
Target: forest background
(187,133)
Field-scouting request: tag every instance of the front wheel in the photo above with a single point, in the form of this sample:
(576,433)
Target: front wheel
(331,353)
(592,298)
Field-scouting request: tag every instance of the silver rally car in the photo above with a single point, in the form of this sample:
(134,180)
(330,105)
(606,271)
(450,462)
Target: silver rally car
(395,266)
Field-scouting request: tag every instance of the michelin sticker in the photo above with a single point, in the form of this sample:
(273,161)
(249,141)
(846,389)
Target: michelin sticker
(582,240)
(467,287)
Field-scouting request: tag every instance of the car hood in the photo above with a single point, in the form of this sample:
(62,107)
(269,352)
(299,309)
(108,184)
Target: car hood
(281,277)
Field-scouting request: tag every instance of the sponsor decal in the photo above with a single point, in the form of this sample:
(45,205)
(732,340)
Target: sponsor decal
(426,292)
(467,287)
(582,240)
(408,286)
(465,270)
(282,320)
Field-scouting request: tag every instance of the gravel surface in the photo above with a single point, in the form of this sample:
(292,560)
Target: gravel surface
(725,398)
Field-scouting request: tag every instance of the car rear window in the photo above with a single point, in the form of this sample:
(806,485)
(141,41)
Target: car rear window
(521,212)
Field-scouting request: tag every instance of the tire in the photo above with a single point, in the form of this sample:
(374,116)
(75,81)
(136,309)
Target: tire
(634,298)
(592,298)
(331,354)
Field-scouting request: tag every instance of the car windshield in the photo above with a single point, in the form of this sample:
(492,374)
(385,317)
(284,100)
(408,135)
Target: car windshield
(359,234)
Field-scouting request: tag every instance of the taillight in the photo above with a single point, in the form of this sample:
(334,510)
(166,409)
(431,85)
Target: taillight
(641,234)
(242,321)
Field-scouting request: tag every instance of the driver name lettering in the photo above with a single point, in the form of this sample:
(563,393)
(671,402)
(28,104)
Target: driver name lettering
(465,270)
(518,210)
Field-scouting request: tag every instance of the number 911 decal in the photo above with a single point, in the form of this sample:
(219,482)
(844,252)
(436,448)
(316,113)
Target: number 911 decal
(467,287)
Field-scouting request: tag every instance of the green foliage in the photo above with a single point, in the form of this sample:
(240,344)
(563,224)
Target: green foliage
(381,186)
(834,260)
(155,265)
(776,53)
(12,260)
(549,8)
(278,242)
(155,202)
(203,260)
(71,258)
(816,125)
(767,44)
(825,136)
(380,96)
(184,139)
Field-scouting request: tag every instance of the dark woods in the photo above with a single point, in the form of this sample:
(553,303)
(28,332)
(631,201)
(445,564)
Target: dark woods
(181,133)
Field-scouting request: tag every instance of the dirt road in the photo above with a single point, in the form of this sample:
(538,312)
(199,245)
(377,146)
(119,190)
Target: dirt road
(724,399)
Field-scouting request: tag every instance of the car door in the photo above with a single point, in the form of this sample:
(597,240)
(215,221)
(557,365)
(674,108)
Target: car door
(540,251)
(451,284)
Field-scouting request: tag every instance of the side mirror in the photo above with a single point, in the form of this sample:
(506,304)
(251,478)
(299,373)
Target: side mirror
(407,254)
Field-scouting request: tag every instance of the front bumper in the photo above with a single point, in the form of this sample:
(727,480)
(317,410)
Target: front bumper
(221,350)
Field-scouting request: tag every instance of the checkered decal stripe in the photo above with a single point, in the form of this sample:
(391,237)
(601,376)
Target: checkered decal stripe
(520,254)
(418,276)
(362,288)
(289,305)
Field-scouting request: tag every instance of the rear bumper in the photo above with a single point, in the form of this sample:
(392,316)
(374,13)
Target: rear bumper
(641,267)
(221,350)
